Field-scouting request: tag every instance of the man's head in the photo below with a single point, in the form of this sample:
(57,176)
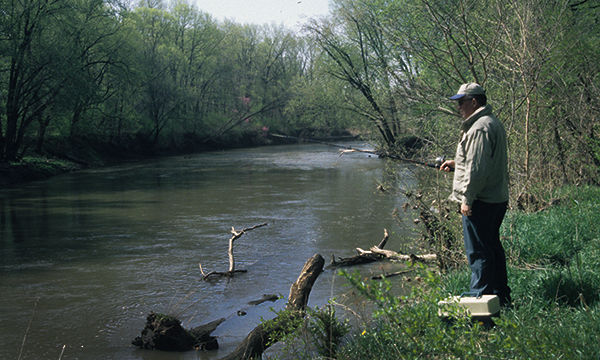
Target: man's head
(470,97)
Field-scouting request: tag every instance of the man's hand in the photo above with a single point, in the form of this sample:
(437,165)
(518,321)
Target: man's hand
(447,165)
(466,210)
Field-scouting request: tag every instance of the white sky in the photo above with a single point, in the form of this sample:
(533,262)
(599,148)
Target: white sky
(290,13)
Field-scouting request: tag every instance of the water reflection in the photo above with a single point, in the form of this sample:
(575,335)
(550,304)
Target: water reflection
(102,248)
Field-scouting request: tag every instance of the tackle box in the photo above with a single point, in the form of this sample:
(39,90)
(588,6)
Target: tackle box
(476,306)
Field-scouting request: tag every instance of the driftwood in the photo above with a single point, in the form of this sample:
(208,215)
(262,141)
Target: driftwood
(229,273)
(362,257)
(265,298)
(351,150)
(259,339)
(164,332)
(389,254)
(377,253)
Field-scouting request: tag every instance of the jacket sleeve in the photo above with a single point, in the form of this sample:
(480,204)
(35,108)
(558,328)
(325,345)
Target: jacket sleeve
(478,152)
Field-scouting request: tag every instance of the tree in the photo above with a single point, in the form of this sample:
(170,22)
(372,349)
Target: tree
(352,57)
(28,40)
(160,96)
(198,40)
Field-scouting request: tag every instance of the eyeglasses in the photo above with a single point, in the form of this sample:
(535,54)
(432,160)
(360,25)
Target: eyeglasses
(463,100)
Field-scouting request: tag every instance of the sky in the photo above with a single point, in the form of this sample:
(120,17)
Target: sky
(290,13)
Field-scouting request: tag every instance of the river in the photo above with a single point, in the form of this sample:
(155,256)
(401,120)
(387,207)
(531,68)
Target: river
(85,256)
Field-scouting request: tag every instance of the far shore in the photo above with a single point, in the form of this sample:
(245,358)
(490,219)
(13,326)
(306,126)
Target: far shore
(62,159)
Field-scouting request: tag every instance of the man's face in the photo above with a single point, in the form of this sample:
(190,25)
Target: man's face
(467,106)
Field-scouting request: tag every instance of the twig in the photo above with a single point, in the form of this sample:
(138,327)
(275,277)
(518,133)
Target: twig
(384,240)
(384,275)
(62,352)
(28,327)
(269,332)
(202,271)
(397,256)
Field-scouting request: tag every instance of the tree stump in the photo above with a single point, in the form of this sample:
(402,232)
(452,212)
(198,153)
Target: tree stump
(164,332)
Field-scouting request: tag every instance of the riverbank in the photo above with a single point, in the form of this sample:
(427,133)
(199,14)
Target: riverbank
(34,168)
(553,259)
(64,155)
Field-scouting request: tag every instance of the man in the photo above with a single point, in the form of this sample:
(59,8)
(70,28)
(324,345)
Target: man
(480,186)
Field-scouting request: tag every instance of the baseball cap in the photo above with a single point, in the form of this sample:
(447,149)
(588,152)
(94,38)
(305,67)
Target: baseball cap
(468,89)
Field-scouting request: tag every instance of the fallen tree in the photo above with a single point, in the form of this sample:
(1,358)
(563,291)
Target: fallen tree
(269,332)
(377,253)
(392,255)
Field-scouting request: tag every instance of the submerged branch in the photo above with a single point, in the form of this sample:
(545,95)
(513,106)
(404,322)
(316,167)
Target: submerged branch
(235,235)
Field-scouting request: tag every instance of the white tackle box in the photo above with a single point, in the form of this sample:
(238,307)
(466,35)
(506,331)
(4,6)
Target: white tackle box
(476,306)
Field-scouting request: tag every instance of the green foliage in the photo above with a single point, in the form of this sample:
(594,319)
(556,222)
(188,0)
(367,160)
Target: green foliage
(410,55)
(326,330)
(316,104)
(283,326)
(409,326)
(160,73)
(573,287)
(319,331)
(558,234)
(411,329)
(556,313)
(163,71)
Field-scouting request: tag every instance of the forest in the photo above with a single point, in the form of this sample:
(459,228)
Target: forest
(150,75)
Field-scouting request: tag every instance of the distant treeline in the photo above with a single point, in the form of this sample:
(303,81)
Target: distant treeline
(156,73)
(164,74)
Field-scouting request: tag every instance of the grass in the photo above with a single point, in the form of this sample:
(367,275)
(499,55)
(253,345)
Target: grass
(31,168)
(553,261)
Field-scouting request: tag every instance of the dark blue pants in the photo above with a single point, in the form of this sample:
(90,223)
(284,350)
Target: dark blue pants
(484,250)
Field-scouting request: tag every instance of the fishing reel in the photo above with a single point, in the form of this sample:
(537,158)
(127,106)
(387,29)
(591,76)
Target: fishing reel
(439,161)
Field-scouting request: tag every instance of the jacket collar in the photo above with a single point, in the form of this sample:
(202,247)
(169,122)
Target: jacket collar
(482,111)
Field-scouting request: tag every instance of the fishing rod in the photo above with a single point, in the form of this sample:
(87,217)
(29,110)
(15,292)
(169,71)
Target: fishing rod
(347,149)
(436,164)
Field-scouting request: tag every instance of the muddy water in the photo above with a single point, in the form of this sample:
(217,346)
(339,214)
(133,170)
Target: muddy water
(85,256)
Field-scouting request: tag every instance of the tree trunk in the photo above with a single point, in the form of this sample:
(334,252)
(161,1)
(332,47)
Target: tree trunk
(41,133)
(259,339)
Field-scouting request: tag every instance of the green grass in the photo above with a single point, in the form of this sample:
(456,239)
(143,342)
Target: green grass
(31,168)
(555,253)
(553,263)
(557,235)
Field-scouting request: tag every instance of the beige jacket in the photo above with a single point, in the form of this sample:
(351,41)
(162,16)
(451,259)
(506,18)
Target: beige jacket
(481,170)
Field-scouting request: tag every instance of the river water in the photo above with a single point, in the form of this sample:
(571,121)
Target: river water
(86,256)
